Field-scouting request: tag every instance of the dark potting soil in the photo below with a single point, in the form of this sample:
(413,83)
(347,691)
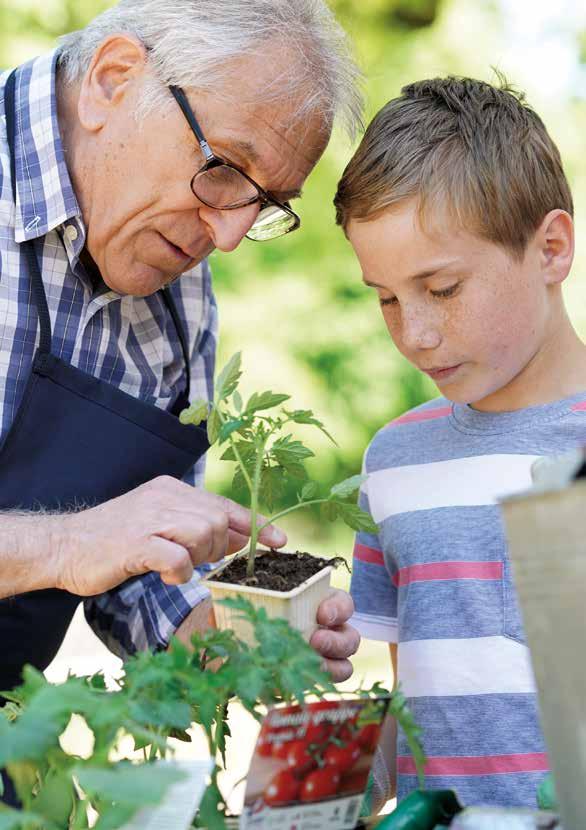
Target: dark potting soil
(276,571)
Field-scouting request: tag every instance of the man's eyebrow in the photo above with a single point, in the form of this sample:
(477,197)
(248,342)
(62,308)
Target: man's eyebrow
(420,275)
(245,149)
(248,154)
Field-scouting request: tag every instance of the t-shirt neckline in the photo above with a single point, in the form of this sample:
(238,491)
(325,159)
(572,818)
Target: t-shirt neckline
(474,420)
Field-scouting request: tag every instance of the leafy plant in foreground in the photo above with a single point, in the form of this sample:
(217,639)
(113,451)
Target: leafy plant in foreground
(266,454)
(159,697)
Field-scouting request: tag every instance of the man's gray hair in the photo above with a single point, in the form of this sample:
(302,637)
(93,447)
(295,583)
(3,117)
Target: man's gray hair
(195,43)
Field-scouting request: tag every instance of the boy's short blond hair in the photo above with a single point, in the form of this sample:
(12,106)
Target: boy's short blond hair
(461,145)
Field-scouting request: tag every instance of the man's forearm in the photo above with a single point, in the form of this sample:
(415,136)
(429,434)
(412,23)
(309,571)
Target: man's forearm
(28,552)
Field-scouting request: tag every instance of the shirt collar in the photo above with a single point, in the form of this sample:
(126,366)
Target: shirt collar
(44,194)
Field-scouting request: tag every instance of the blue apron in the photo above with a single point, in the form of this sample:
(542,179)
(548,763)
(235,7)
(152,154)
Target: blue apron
(75,440)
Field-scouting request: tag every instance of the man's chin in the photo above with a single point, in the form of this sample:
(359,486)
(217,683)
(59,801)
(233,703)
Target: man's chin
(144,282)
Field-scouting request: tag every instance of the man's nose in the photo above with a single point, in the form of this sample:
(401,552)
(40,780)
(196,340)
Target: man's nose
(227,228)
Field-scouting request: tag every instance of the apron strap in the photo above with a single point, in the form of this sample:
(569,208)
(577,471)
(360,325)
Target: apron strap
(28,245)
(172,307)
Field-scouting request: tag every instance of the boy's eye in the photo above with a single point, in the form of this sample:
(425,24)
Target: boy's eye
(446,292)
(387,300)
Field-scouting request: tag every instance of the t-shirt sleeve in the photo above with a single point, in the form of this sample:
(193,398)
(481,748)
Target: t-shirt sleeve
(372,587)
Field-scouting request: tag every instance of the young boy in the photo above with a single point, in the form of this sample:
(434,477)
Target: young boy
(459,212)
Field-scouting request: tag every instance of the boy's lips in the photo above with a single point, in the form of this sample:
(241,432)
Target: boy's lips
(442,372)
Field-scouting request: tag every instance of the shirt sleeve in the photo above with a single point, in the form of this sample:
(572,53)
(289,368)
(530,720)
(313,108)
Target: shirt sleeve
(372,587)
(144,613)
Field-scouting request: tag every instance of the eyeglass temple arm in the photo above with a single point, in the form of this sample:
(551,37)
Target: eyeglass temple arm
(185,107)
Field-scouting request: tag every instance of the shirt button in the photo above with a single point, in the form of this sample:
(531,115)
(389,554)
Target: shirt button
(71,232)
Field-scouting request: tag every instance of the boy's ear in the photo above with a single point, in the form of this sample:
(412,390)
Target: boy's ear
(555,241)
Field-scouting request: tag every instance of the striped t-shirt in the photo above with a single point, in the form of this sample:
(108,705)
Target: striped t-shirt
(436,579)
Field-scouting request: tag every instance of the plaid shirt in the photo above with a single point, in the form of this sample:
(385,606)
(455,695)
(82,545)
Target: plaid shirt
(129,342)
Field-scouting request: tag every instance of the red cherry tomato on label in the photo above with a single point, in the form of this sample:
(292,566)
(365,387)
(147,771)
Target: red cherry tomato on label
(299,759)
(345,732)
(280,749)
(321,783)
(342,757)
(317,733)
(282,789)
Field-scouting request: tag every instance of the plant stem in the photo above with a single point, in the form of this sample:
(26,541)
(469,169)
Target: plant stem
(290,510)
(254,530)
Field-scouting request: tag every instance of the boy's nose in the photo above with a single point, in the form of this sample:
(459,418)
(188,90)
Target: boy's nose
(420,333)
(227,228)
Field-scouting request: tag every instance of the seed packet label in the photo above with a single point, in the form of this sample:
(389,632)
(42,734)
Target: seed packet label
(311,765)
(181,801)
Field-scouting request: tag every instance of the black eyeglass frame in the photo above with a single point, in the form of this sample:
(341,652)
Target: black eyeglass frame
(212,160)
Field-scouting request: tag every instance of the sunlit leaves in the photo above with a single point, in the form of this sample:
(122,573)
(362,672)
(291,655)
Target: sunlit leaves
(264,400)
(227,380)
(347,487)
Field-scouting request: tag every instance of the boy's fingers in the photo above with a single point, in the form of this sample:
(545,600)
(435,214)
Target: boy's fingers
(335,609)
(339,670)
(336,643)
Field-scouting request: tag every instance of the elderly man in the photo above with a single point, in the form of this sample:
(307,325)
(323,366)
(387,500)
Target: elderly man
(160,132)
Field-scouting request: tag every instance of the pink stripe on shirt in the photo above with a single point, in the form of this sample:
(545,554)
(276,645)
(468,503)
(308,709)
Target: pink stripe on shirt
(433,571)
(371,555)
(477,765)
(579,407)
(423,415)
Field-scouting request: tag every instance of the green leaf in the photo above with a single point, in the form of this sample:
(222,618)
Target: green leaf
(214,425)
(272,486)
(195,413)
(228,428)
(264,400)
(289,454)
(309,491)
(19,820)
(132,784)
(306,416)
(237,401)
(347,487)
(174,714)
(43,720)
(228,378)
(356,518)
(56,798)
(115,817)
(246,451)
(210,816)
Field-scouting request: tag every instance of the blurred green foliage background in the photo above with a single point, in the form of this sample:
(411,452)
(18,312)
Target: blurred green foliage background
(296,307)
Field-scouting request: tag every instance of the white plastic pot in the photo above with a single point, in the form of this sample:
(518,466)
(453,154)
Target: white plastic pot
(298,607)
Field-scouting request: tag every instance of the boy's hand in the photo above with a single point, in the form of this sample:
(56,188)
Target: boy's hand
(335,640)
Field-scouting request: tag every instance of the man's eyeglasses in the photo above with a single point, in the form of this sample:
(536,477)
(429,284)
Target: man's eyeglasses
(221,185)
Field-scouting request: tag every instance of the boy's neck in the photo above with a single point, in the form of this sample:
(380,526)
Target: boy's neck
(556,371)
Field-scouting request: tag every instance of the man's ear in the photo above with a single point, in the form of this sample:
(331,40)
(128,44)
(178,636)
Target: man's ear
(116,64)
(555,241)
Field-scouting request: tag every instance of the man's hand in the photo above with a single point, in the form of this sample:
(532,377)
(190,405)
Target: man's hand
(164,526)
(335,640)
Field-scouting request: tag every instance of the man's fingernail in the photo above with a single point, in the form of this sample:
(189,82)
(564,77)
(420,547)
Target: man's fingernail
(277,536)
(331,616)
